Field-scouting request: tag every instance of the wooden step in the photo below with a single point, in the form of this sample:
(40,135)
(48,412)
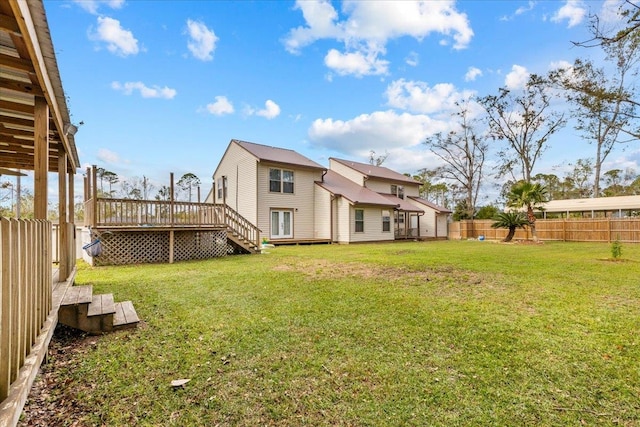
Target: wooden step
(101,304)
(76,295)
(125,316)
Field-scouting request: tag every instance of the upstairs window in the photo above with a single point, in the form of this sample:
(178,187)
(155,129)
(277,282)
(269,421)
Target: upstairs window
(287,182)
(397,190)
(222,187)
(280,181)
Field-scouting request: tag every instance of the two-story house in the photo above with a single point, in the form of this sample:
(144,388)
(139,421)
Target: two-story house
(271,187)
(291,198)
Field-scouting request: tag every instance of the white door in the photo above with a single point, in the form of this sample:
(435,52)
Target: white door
(281,224)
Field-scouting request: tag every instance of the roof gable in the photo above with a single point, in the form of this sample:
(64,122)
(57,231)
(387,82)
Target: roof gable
(380,172)
(277,155)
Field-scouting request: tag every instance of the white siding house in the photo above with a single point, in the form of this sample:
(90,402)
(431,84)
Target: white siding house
(290,198)
(271,187)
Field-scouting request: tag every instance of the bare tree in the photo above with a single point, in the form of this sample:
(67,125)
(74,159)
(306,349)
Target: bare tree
(603,100)
(379,160)
(525,121)
(463,152)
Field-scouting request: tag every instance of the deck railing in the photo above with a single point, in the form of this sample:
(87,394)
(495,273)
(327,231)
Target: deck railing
(25,292)
(107,212)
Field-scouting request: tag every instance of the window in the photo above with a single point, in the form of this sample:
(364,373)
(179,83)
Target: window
(386,221)
(222,187)
(397,190)
(359,220)
(280,181)
(274,180)
(287,182)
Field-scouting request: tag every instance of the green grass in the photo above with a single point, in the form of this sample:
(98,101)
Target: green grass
(440,333)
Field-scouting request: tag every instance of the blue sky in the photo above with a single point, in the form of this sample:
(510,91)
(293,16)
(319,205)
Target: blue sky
(163,86)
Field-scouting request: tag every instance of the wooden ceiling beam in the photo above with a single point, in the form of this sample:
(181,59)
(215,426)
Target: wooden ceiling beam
(15,132)
(16,63)
(8,24)
(8,120)
(16,106)
(22,87)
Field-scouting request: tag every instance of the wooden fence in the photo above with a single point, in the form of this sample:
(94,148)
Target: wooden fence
(626,230)
(25,292)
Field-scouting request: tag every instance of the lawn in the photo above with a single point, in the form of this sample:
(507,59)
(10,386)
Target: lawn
(435,333)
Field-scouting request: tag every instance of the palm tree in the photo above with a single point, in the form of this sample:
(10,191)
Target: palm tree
(510,220)
(530,196)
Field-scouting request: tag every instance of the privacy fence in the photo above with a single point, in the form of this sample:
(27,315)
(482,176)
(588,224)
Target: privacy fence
(567,230)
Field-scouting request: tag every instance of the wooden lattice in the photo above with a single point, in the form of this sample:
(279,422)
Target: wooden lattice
(199,245)
(140,247)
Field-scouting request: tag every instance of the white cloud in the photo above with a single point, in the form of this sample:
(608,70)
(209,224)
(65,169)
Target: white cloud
(202,40)
(270,111)
(118,40)
(146,92)
(573,11)
(472,74)
(517,78)
(610,11)
(524,9)
(419,97)
(221,106)
(370,24)
(378,131)
(412,59)
(357,63)
(108,156)
(92,6)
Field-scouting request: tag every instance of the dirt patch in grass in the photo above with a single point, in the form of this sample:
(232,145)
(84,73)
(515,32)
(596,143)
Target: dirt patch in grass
(324,269)
(52,401)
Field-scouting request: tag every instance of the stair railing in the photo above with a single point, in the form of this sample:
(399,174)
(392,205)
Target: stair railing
(242,227)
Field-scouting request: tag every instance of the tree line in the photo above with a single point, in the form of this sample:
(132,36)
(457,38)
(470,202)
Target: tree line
(110,185)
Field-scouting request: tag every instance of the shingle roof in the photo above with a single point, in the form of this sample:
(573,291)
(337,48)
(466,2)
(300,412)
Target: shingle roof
(402,204)
(427,203)
(278,155)
(356,194)
(376,171)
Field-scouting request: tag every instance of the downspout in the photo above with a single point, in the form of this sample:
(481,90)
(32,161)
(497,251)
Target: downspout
(323,174)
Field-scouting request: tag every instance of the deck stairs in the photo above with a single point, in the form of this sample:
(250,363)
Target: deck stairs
(240,243)
(95,314)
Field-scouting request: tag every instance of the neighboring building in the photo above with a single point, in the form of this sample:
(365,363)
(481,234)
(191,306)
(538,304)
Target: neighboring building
(611,207)
(290,198)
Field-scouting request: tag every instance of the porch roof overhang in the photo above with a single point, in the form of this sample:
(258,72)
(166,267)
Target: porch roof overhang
(29,70)
(402,205)
(424,202)
(338,185)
